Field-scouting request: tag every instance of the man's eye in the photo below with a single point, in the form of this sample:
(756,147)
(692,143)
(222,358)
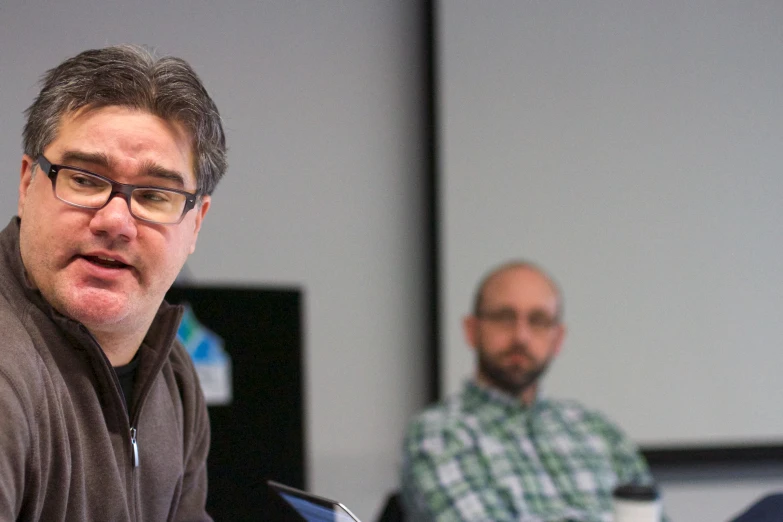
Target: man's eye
(540,320)
(154,196)
(505,317)
(83,181)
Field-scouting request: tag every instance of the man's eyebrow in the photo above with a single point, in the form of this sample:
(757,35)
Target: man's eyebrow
(96,158)
(100,159)
(156,171)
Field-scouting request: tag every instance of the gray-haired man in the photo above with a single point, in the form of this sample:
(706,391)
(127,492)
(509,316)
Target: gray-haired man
(102,414)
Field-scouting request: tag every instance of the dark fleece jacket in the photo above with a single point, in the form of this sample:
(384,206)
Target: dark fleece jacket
(66,449)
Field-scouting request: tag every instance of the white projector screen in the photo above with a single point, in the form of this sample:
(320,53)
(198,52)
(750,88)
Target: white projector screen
(633,149)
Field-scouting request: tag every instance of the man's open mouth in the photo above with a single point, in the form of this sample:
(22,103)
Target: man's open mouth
(106,262)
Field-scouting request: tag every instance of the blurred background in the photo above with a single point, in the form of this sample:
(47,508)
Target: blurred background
(330,113)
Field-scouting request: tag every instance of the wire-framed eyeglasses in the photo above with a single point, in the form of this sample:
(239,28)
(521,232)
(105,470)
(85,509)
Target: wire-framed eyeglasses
(538,321)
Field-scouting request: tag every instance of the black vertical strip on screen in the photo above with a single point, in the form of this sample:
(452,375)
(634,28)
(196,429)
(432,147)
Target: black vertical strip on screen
(432,211)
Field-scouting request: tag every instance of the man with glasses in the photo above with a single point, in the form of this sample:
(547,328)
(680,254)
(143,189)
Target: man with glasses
(102,414)
(500,451)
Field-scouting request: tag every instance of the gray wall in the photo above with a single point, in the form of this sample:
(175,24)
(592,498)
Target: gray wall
(322,103)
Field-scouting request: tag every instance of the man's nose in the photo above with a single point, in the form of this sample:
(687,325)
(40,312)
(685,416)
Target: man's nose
(115,218)
(521,328)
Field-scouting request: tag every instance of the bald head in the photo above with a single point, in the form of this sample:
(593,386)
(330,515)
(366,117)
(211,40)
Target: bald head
(495,273)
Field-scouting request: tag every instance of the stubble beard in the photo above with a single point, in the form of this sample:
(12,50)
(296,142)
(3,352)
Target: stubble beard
(510,379)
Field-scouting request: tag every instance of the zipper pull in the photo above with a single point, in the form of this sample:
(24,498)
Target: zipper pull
(135,448)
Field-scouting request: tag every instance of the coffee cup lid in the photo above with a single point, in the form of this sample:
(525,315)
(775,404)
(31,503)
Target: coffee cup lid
(636,492)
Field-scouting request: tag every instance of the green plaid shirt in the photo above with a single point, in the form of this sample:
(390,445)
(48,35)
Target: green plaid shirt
(483,456)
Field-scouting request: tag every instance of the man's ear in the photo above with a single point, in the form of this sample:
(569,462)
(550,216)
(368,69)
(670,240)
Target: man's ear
(25,178)
(470,329)
(559,338)
(201,210)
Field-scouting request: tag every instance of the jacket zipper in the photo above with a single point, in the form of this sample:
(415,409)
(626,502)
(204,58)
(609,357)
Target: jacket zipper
(134,494)
(134,448)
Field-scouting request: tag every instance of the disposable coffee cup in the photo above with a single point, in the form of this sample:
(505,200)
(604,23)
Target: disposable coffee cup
(637,503)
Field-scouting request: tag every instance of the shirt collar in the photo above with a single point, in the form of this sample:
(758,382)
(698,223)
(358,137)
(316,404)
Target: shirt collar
(476,393)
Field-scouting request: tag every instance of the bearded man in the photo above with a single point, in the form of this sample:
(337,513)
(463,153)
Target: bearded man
(498,450)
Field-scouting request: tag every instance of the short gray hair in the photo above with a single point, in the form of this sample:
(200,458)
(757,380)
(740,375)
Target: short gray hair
(131,76)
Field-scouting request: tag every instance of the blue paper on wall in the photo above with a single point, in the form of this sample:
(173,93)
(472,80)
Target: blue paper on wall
(212,363)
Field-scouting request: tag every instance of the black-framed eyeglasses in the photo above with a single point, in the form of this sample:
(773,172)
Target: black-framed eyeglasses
(84,189)
(538,321)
